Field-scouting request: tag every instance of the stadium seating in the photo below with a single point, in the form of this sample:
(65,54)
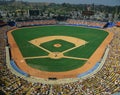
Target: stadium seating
(2,23)
(34,23)
(93,24)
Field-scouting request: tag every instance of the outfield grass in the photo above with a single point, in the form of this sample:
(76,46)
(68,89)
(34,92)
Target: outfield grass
(47,64)
(94,38)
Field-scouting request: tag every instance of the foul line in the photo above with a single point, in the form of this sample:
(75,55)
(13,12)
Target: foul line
(44,49)
(36,57)
(72,48)
(69,49)
(76,58)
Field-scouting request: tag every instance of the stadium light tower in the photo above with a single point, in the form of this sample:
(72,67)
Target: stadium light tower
(116,14)
(92,6)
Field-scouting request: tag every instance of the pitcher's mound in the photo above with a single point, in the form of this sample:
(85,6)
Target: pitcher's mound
(57,45)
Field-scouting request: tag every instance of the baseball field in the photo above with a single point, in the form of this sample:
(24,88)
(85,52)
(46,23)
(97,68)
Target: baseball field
(57,48)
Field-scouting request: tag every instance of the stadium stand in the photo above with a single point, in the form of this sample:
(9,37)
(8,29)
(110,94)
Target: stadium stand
(105,82)
(35,23)
(2,23)
(86,23)
(111,24)
(11,23)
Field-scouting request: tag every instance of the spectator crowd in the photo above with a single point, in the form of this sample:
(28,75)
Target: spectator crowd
(86,23)
(35,22)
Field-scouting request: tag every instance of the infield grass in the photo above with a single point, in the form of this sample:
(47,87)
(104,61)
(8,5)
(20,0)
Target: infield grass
(64,45)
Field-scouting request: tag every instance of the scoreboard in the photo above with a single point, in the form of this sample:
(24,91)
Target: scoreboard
(87,13)
(34,12)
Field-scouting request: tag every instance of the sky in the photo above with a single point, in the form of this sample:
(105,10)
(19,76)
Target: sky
(103,2)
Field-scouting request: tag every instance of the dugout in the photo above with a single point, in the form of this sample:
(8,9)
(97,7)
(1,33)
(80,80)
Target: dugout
(52,78)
